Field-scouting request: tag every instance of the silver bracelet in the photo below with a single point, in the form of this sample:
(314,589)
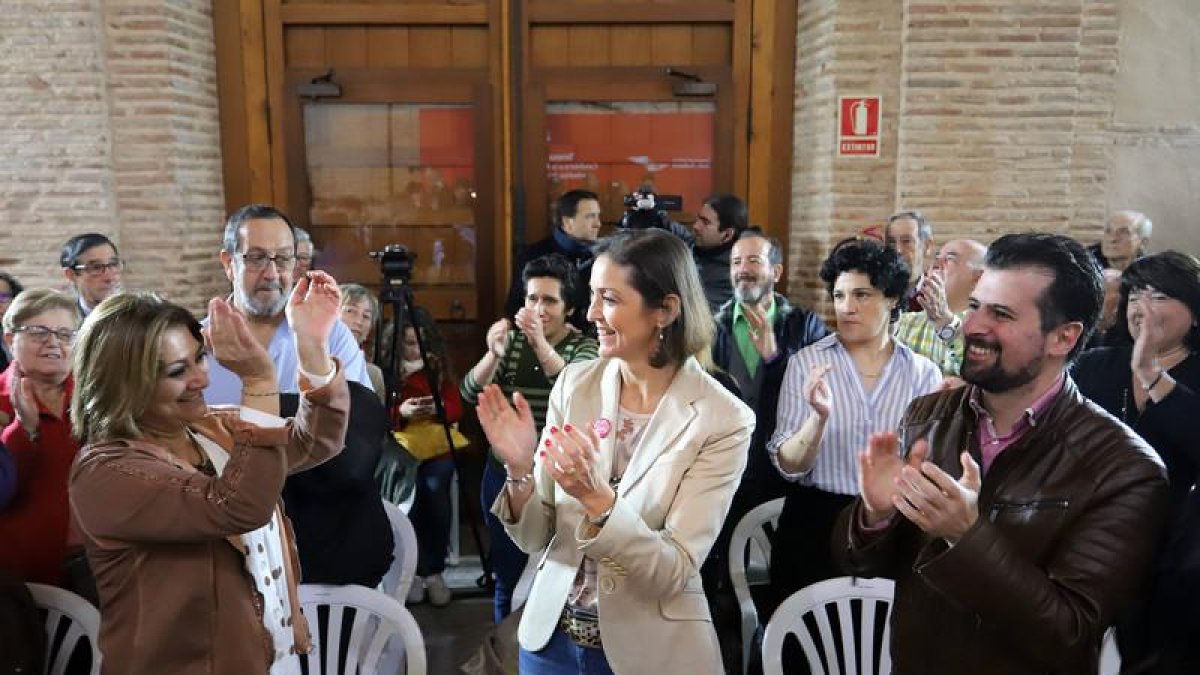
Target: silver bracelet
(519,481)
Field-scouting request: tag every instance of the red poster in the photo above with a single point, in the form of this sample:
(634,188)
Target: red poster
(858,126)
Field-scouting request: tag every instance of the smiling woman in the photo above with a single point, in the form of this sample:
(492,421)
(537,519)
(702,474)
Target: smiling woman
(35,391)
(178,503)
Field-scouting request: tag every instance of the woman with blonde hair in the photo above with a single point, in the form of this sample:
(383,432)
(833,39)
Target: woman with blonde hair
(35,396)
(178,502)
(630,482)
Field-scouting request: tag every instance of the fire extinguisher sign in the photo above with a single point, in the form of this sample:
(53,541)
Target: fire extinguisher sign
(858,126)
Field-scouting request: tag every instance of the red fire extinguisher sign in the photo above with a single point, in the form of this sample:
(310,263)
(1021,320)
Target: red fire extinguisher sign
(858,126)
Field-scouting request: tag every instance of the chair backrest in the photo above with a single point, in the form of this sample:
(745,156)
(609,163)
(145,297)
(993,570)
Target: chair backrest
(353,628)
(749,560)
(829,607)
(69,619)
(399,577)
(1110,657)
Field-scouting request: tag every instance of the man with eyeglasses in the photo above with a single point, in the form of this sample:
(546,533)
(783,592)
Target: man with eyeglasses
(259,257)
(305,252)
(342,532)
(93,267)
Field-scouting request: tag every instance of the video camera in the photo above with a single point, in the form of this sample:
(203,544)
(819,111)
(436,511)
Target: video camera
(645,209)
(395,263)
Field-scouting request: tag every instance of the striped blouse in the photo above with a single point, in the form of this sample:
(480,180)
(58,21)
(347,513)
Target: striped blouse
(855,414)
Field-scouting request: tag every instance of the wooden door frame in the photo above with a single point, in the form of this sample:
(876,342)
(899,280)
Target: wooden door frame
(607,85)
(469,86)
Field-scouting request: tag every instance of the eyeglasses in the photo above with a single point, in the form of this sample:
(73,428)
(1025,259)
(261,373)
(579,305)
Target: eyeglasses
(258,260)
(306,259)
(42,333)
(96,268)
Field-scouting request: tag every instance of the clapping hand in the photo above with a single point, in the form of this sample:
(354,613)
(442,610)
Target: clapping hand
(530,324)
(497,338)
(314,306)
(24,403)
(816,390)
(879,466)
(762,335)
(935,502)
(931,295)
(570,455)
(510,429)
(229,339)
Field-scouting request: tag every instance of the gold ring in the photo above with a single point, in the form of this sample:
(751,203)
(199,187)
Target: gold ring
(569,470)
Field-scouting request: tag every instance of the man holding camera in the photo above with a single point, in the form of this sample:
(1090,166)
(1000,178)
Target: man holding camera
(720,222)
(577,228)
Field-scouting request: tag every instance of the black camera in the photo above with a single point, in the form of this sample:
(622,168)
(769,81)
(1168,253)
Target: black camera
(645,209)
(396,263)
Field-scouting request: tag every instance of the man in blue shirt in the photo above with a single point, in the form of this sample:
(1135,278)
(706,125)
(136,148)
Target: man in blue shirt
(259,257)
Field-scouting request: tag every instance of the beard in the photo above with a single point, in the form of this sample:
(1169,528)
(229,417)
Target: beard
(258,308)
(994,378)
(753,292)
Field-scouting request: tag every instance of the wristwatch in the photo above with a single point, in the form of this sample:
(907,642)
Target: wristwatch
(946,333)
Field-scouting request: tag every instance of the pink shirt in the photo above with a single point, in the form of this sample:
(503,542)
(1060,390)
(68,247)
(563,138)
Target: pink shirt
(992,444)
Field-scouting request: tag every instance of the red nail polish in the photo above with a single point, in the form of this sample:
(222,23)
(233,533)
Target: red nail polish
(568,428)
(553,430)
(547,445)
(542,453)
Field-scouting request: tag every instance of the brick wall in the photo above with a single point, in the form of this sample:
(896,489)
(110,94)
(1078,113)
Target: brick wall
(999,116)
(110,124)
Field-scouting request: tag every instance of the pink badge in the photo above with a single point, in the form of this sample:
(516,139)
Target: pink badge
(602,427)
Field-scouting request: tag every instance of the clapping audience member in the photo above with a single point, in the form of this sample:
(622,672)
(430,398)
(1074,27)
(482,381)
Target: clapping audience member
(911,235)
(35,397)
(360,309)
(526,355)
(935,332)
(1154,387)
(420,431)
(9,288)
(179,502)
(343,533)
(835,394)
(631,478)
(1016,516)
(92,265)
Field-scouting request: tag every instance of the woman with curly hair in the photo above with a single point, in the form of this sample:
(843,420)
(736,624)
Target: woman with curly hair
(836,392)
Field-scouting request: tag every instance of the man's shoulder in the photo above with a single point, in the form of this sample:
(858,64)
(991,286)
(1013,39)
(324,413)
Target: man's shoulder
(1089,430)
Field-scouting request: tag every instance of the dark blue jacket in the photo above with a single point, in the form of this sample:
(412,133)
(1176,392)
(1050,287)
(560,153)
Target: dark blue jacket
(576,251)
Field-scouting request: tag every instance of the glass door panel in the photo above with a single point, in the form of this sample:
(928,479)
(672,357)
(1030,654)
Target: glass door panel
(391,173)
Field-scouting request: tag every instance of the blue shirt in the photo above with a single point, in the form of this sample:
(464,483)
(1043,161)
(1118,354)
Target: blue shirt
(225,388)
(854,413)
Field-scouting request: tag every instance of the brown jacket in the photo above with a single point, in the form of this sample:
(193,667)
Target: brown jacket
(1069,517)
(163,541)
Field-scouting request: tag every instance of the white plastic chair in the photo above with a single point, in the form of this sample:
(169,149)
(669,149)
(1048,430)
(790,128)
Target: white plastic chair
(1110,658)
(399,577)
(749,564)
(378,620)
(875,596)
(82,622)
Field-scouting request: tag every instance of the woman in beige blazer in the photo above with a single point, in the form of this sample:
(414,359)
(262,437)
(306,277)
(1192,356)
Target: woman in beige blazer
(628,486)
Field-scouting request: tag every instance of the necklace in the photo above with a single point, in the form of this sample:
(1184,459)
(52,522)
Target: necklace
(205,466)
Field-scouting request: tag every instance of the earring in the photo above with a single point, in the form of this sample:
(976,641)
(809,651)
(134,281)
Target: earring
(660,335)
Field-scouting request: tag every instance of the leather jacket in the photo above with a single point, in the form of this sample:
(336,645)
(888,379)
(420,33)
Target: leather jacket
(1069,516)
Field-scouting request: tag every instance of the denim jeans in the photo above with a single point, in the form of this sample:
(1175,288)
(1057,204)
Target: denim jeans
(507,560)
(561,656)
(431,513)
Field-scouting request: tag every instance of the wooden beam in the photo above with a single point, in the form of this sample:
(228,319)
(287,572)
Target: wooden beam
(701,11)
(326,13)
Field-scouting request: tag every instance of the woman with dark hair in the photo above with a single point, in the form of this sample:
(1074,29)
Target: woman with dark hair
(631,479)
(1151,383)
(10,288)
(179,502)
(835,393)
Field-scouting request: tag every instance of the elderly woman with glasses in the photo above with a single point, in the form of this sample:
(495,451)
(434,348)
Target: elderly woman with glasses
(35,397)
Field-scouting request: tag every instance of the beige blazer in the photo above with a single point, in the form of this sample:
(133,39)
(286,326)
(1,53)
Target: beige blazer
(670,505)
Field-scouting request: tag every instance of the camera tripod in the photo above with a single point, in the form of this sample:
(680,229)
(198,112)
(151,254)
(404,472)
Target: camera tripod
(397,294)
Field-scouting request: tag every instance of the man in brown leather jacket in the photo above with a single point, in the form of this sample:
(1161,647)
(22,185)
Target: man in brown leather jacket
(1020,563)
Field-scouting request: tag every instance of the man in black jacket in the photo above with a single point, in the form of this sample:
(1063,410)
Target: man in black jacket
(757,331)
(575,232)
(721,220)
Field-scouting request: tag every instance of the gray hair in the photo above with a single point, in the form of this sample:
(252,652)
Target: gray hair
(1140,221)
(924,228)
(252,212)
